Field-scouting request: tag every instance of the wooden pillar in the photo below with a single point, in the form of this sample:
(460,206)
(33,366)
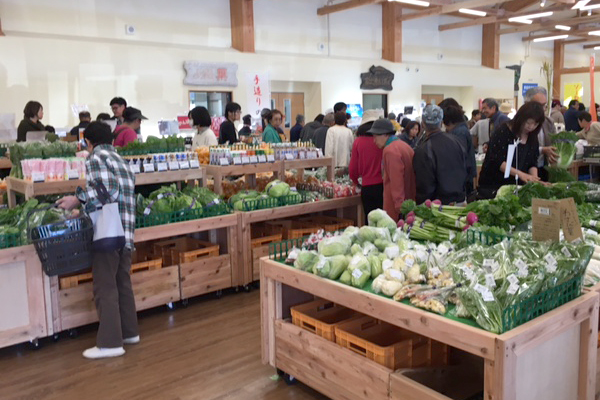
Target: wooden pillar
(242,25)
(1,33)
(392,31)
(490,46)
(559,65)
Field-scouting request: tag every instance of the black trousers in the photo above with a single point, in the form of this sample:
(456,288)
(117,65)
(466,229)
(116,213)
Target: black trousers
(372,197)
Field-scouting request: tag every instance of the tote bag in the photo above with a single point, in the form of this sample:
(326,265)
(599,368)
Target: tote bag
(108,228)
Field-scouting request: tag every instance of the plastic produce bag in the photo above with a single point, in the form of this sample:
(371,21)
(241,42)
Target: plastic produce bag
(333,246)
(306,260)
(338,264)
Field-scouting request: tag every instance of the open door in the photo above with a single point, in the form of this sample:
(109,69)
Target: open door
(290,104)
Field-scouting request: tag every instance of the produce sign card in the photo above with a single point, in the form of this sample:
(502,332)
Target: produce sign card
(569,220)
(545,216)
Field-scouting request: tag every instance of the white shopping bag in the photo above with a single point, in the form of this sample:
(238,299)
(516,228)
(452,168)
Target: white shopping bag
(108,228)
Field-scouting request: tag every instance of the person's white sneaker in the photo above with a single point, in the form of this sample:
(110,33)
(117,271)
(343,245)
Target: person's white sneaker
(96,353)
(132,340)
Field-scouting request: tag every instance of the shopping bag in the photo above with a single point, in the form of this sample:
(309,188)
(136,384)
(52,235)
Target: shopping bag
(108,228)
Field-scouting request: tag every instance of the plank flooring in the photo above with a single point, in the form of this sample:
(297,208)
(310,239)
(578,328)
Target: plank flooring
(208,351)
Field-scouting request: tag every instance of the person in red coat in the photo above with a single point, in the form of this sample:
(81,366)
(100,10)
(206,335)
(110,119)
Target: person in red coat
(397,167)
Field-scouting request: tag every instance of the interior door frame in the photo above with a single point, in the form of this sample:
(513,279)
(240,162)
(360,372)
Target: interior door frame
(387,104)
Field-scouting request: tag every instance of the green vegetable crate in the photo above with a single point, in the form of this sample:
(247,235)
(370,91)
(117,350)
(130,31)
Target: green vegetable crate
(486,238)
(147,221)
(10,240)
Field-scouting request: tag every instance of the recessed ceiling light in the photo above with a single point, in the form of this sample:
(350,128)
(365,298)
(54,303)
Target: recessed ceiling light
(563,27)
(594,33)
(472,12)
(414,2)
(544,39)
(580,4)
(597,48)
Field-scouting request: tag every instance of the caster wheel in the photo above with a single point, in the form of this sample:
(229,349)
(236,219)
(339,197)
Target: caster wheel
(237,289)
(248,288)
(35,344)
(56,337)
(219,294)
(184,303)
(280,372)
(289,379)
(170,306)
(73,333)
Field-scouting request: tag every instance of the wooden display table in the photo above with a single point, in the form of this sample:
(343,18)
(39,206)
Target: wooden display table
(301,165)
(249,170)
(552,357)
(30,189)
(346,207)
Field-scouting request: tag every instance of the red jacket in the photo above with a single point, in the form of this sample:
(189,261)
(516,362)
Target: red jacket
(365,161)
(398,177)
(125,135)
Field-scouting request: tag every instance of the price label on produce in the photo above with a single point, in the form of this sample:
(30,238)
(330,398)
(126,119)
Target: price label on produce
(289,156)
(435,272)
(73,174)
(271,158)
(312,155)
(184,165)
(162,167)
(237,161)
(174,166)
(148,167)
(135,168)
(38,176)
(246,160)
(194,164)
(253,160)
(262,159)
(224,162)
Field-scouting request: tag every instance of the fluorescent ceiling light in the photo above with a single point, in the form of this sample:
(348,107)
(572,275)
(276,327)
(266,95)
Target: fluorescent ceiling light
(594,33)
(521,21)
(563,27)
(531,16)
(472,12)
(580,4)
(544,39)
(414,2)
(597,48)
(588,8)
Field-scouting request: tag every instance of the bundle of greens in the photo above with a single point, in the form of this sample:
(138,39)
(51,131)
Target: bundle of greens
(503,212)
(22,151)
(565,146)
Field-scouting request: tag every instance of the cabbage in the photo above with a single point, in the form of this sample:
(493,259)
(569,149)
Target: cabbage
(370,234)
(375,216)
(333,246)
(338,266)
(376,265)
(277,188)
(346,278)
(381,244)
(356,249)
(351,232)
(380,219)
(565,146)
(306,260)
(360,270)
(322,267)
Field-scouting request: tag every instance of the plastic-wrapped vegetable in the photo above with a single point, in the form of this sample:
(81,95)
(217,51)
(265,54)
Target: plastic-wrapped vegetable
(322,267)
(306,260)
(392,251)
(378,284)
(356,249)
(339,264)
(376,265)
(370,234)
(333,246)
(381,219)
(277,188)
(381,244)
(390,288)
(360,270)
(346,278)
(394,275)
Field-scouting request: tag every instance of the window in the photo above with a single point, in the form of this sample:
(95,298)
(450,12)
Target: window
(214,102)
(375,102)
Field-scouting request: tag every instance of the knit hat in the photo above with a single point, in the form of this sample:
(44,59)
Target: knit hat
(433,115)
(382,127)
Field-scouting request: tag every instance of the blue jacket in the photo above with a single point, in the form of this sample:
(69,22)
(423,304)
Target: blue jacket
(571,122)
(295,133)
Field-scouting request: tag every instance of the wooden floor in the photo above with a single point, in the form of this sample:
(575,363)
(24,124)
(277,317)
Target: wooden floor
(208,351)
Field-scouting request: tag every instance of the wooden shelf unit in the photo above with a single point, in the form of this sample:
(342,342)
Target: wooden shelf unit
(301,165)
(249,170)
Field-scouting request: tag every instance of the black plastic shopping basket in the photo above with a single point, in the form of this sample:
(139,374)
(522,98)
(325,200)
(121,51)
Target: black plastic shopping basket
(64,247)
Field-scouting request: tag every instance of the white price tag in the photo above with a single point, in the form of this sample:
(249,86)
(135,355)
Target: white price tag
(409,262)
(443,249)
(237,161)
(513,279)
(480,288)
(38,176)
(173,166)
(435,271)
(551,268)
(421,255)
(523,272)
(302,155)
(495,266)
(194,164)
(184,165)
(262,159)
(148,167)
(520,264)
(73,174)
(357,273)
(550,259)
(289,156)
(468,272)
(224,162)
(387,264)
(566,252)
(253,159)
(487,296)
(490,281)
(245,160)
(512,289)
(271,158)
(135,168)
(396,274)
(162,167)
(488,262)
(543,211)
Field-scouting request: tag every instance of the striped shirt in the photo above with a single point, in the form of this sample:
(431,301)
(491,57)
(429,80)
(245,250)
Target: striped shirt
(106,166)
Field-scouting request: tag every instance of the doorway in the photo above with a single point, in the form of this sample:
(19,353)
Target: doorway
(433,99)
(375,102)
(214,102)
(290,104)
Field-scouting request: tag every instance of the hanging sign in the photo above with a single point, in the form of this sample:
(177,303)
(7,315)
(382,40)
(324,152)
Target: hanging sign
(210,74)
(527,86)
(258,88)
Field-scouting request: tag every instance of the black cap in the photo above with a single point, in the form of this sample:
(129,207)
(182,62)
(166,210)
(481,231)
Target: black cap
(382,127)
(131,114)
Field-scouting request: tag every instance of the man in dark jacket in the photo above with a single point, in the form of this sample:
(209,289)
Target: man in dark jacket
(297,129)
(439,162)
(571,123)
(456,125)
(84,120)
(321,134)
(308,132)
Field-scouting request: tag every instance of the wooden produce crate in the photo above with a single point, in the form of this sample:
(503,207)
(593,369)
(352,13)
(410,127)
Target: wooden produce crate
(321,317)
(201,269)
(383,343)
(329,224)
(262,235)
(294,229)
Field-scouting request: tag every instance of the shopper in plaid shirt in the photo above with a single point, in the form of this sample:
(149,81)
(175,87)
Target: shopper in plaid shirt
(113,294)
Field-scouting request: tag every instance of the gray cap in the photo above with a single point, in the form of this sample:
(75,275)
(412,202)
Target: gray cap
(382,127)
(433,115)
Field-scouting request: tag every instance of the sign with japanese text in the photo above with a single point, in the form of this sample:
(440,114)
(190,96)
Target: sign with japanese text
(184,122)
(259,93)
(210,74)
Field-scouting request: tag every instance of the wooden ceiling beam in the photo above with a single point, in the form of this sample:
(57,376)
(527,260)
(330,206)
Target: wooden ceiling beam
(550,24)
(242,25)
(490,46)
(591,46)
(518,5)
(347,5)
(583,32)
(450,8)
(391,31)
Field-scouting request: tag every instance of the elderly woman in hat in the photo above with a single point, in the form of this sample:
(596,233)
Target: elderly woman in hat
(398,175)
(365,164)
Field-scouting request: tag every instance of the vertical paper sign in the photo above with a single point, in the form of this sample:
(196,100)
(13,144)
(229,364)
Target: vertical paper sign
(569,220)
(258,88)
(545,215)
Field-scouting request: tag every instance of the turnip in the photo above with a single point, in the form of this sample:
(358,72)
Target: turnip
(472,218)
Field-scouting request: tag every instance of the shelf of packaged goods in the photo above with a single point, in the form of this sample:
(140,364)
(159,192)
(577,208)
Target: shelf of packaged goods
(511,361)
(152,178)
(301,165)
